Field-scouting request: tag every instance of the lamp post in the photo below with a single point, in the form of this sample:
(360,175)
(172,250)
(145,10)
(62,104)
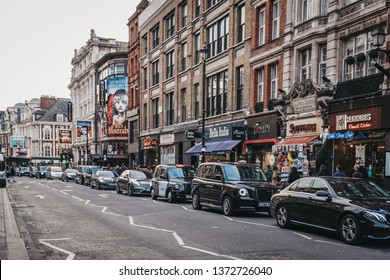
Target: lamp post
(85,132)
(203,51)
(378,39)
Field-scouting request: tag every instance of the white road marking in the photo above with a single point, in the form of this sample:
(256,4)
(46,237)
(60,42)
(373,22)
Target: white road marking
(104,210)
(78,198)
(302,235)
(250,223)
(65,191)
(178,239)
(103,195)
(185,208)
(211,253)
(27,187)
(45,242)
(40,196)
(330,242)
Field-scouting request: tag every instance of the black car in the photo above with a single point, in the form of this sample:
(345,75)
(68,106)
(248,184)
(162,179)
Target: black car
(232,186)
(41,172)
(91,170)
(354,208)
(69,175)
(172,182)
(24,171)
(33,171)
(81,170)
(104,179)
(134,182)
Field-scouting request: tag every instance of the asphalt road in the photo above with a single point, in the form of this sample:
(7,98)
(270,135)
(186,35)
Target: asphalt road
(60,220)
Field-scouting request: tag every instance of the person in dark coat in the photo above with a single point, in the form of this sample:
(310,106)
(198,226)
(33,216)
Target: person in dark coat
(324,171)
(339,172)
(357,173)
(294,175)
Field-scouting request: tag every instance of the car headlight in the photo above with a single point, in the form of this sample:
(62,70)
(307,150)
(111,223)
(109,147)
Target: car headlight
(243,192)
(101,180)
(374,216)
(176,186)
(137,184)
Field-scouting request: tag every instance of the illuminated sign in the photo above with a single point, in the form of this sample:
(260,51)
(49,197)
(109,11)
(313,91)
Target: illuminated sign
(354,122)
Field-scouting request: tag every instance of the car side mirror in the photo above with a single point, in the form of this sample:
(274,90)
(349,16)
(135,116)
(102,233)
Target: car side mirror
(323,193)
(163,177)
(218,177)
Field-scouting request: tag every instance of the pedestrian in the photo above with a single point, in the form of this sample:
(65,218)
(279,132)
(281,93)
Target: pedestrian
(339,172)
(12,173)
(357,173)
(268,173)
(275,176)
(294,175)
(324,171)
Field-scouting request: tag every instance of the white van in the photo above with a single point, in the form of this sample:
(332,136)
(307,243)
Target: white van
(3,179)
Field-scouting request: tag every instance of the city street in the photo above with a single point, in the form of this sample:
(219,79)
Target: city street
(63,220)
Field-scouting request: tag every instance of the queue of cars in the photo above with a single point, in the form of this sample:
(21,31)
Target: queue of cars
(353,208)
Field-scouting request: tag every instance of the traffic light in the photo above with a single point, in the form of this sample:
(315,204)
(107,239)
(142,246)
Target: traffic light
(104,154)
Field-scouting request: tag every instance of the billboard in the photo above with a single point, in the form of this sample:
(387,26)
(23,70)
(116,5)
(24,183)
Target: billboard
(65,136)
(117,103)
(17,142)
(83,127)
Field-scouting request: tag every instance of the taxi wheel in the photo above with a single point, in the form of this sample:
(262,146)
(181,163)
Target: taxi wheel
(130,191)
(153,194)
(171,198)
(196,201)
(227,206)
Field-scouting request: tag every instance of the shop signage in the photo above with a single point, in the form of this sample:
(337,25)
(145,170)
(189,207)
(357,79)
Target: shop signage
(355,122)
(263,129)
(167,139)
(303,128)
(238,133)
(150,143)
(346,135)
(304,105)
(219,132)
(65,136)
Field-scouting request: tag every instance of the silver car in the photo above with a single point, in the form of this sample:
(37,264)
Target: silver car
(134,182)
(54,172)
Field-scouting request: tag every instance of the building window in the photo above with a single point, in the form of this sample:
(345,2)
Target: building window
(47,151)
(241,23)
(218,36)
(170,61)
(169,108)
(170,25)
(155,112)
(211,3)
(348,2)
(321,63)
(274,81)
(197,8)
(145,116)
(306,6)
(324,7)
(260,85)
(183,56)
(184,14)
(145,77)
(155,36)
(196,95)
(305,57)
(262,27)
(216,92)
(155,73)
(275,19)
(197,48)
(60,117)
(240,86)
(145,44)
(183,96)
(133,131)
(358,47)
(47,134)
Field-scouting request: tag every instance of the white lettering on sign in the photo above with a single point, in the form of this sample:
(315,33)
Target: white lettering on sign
(219,132)
(343,120)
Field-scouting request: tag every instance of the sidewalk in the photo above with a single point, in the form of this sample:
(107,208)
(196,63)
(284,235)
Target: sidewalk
(11,244)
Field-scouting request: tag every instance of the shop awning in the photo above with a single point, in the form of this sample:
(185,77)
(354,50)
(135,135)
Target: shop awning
(215,147)
(260,141)
(293,143)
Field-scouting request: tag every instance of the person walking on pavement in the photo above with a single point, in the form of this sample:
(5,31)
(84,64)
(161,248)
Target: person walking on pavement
(294,175)
(357,173)
(324,171)
(12,174)
(339,172)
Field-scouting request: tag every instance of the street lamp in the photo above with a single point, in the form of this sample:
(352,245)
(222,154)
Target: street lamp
(378,39)
(84,131)
(203,51)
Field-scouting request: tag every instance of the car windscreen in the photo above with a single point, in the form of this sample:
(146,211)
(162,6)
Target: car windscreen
(43,168)
(71,171)
(175,173)
(24,169)
(244,173)
(140,175)
(56,169)
(107,174)
(96,169)
(358,189)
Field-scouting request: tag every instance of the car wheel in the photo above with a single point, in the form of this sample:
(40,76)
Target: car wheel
(98,186)
(196,201)
(282,217)
(153,194)
(130,191)
(170,196)
(227,206)
(350,229)
(118,190)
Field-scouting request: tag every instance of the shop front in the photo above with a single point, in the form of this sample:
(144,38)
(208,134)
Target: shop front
(221,143)
(357,138)
(167,148)
(151,151)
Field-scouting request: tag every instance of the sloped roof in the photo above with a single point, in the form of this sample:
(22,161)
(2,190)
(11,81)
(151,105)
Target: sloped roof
(60,107)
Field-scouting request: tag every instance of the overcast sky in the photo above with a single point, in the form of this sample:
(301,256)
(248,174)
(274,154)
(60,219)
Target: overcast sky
(38,39)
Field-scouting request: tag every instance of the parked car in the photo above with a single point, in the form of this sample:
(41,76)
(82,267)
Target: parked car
(33,171)
(68,175)
(354,208)
(81,170)
(41,172)
(232,186)
(104,179)
(24,171)
(17,171)
(91,170)
(172,182)
(134,182)
(54,172)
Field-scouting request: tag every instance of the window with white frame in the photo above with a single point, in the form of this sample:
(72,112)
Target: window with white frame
(183,56)
(170,62)
(155,73)
(155,36)
(197,48)
(357,48)
(262,26)
(274,81)
(155,112)
(183,96)
(197,8)
(211,3)
(145,44)
(240,86)
(348,2)
(305,56)
(260,85)
(324,7)
(46,134)
(60,117)
(169,108)
(240,23)
(218,36)
(216,92)
(197,101)
(321,63)
(47,151)
(306,6)
(170,25)
(184,14)
(145,77)
(275,19)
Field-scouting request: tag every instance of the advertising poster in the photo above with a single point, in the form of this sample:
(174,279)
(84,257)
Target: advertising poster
(65,136)
(117,104)
(84,127)
(17,142)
